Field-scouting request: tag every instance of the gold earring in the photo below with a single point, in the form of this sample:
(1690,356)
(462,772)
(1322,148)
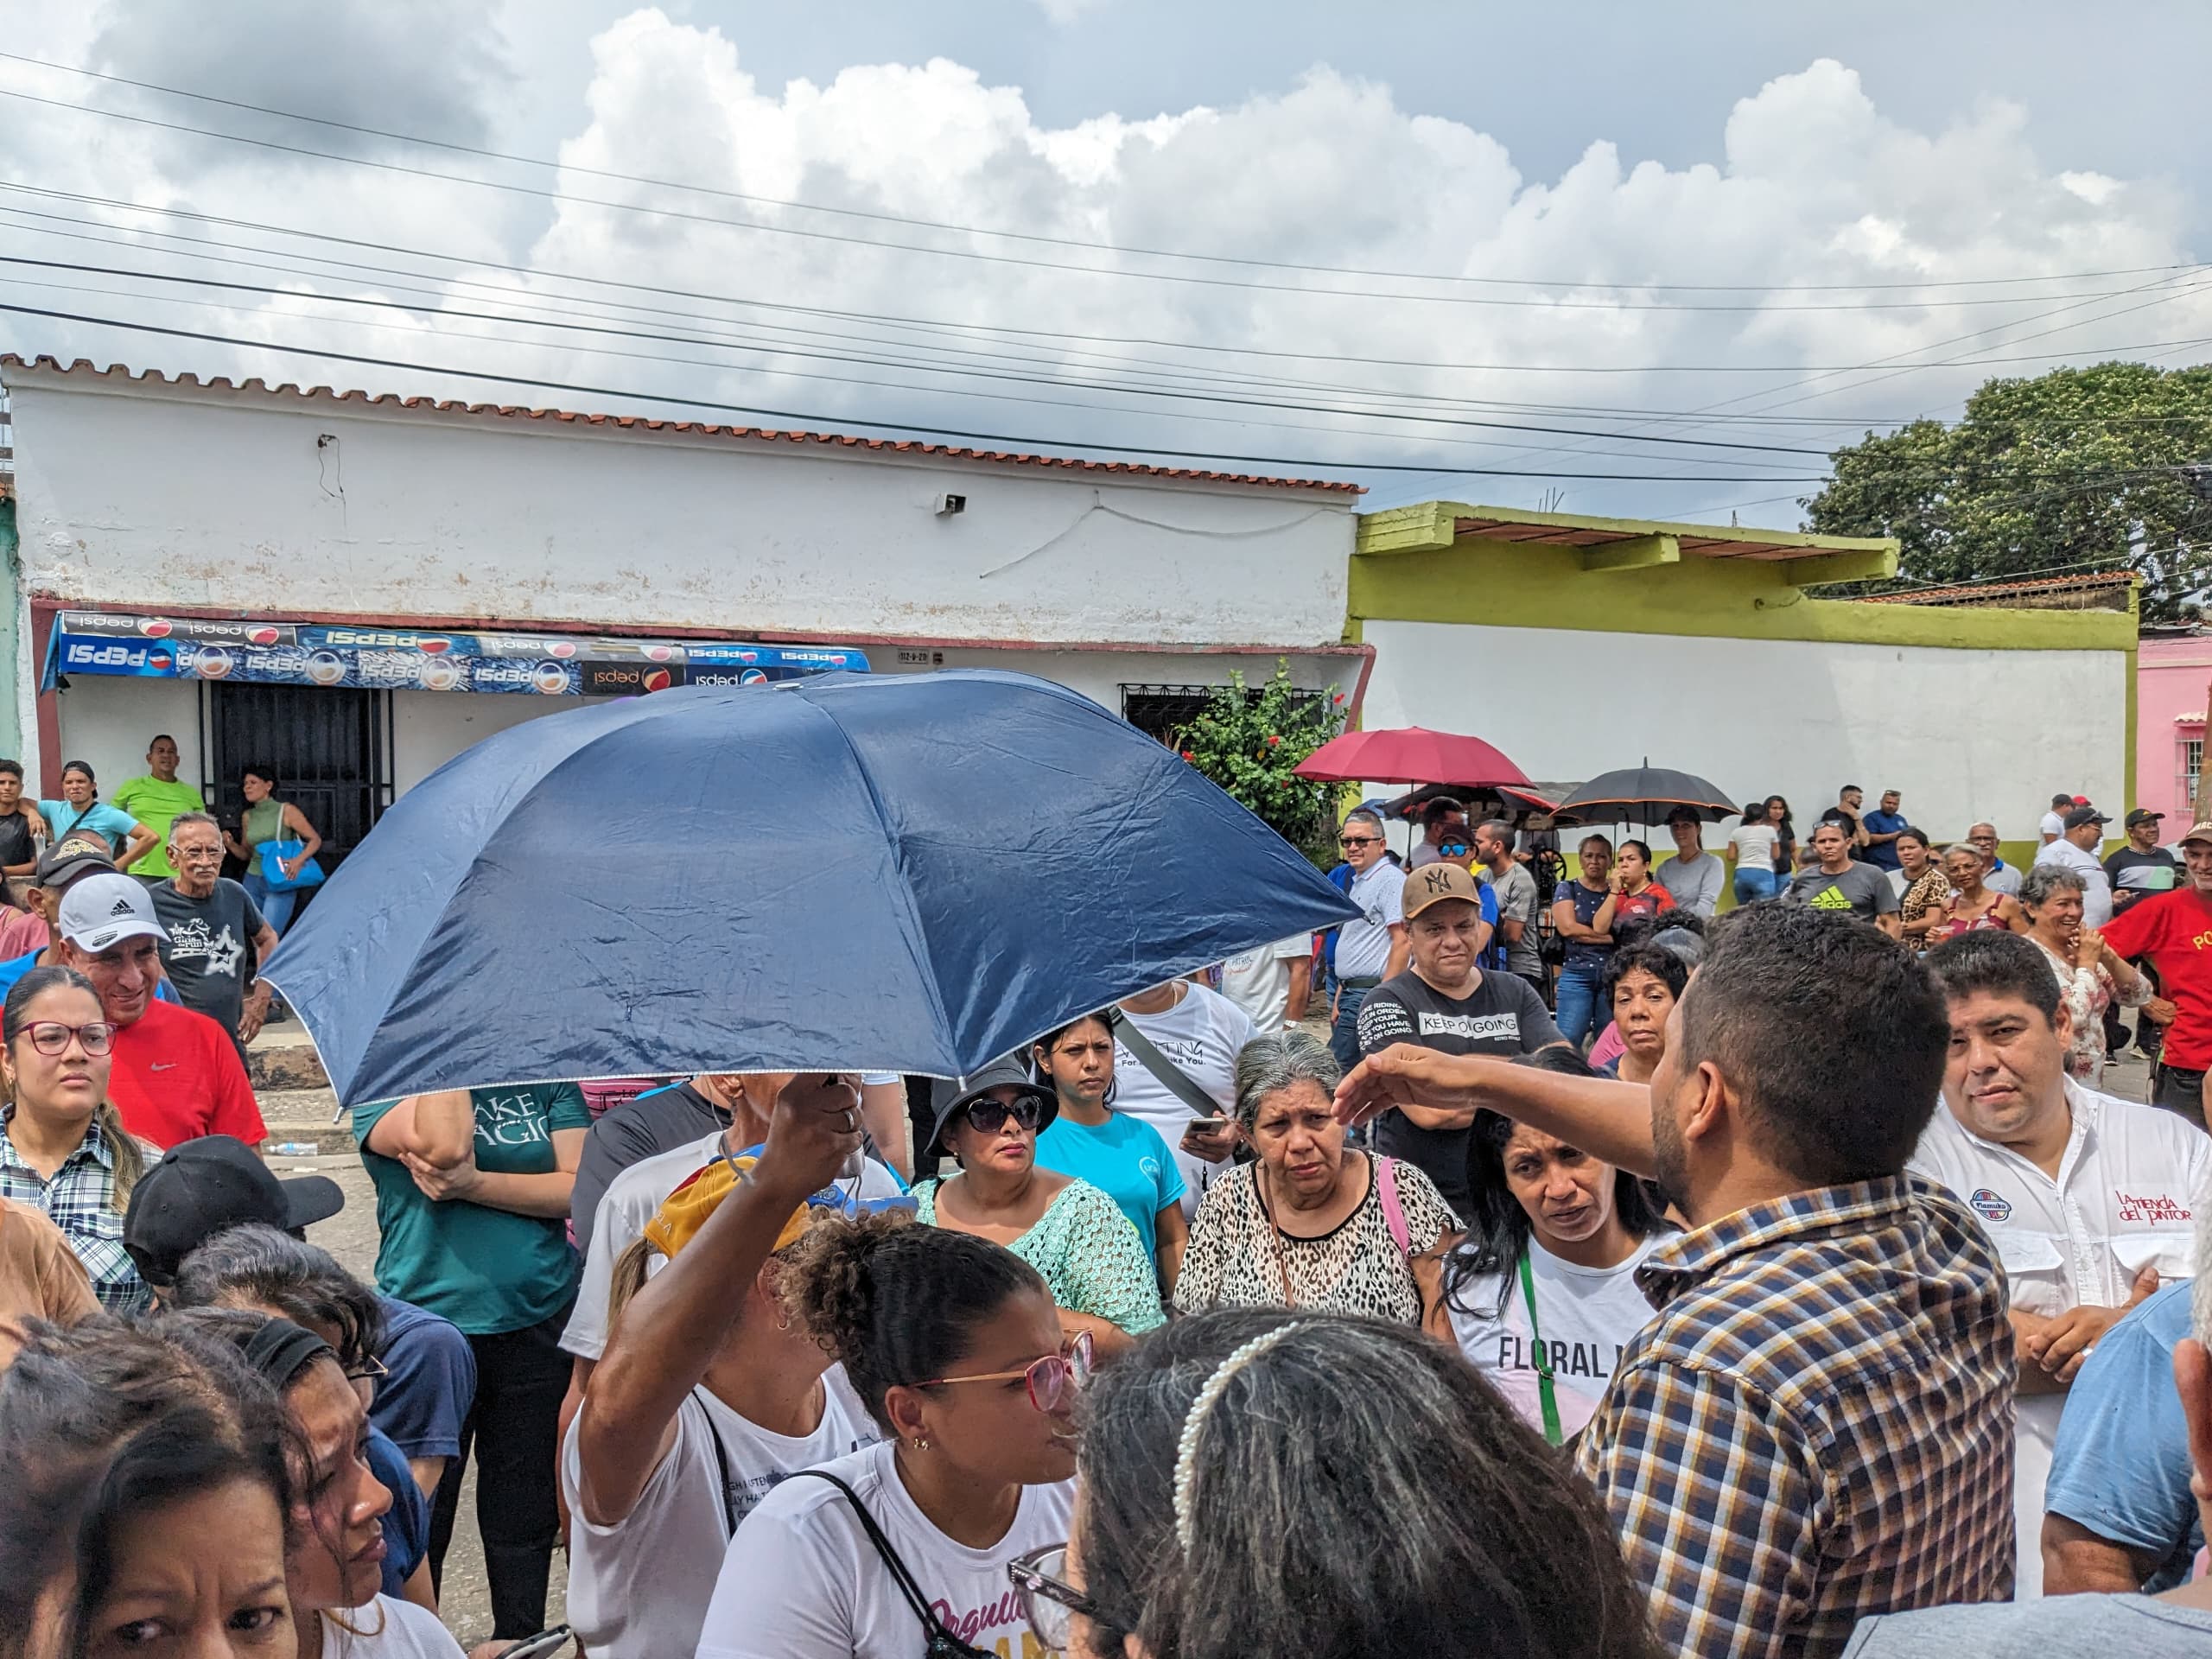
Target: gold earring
(920,1444)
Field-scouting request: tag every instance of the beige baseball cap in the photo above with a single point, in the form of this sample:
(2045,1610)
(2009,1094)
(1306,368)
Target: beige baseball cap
(2198,832)
(1433,884)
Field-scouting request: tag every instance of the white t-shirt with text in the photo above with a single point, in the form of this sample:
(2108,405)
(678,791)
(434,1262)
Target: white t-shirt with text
(639,1589)
(632,1198)
(1586,1316)
(1258,981)
(801,1580)
(1202,1035)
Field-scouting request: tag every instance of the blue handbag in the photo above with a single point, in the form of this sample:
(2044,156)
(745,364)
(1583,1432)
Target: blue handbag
(273,854)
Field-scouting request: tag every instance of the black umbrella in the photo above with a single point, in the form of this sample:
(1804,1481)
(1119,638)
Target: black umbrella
(1646,795)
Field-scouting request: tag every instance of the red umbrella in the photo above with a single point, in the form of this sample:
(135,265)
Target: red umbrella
(1411,755)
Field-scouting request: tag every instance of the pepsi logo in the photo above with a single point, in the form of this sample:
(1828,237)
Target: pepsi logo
(433,644)
(438,674)
(753,677)
(658,679)
(549,677)
(154,628)
(660,653)
(748,655)
(264,635)
(326,667)
(160,661)
(562,648)
(212,661)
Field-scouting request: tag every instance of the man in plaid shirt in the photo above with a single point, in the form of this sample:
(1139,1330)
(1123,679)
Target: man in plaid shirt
(1817,1425)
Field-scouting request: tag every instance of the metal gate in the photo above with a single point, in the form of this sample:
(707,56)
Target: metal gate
(330,750)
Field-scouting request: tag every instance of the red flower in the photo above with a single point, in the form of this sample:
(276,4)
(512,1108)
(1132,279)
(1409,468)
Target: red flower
(1188,755)
(1274,742)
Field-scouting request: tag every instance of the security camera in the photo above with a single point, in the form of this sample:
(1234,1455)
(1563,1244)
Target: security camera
(948,505)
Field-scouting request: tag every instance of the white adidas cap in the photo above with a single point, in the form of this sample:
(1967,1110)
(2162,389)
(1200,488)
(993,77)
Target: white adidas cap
(102,911)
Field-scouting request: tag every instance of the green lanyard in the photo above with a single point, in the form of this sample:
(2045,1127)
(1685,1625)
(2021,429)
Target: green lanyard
(1544,1389)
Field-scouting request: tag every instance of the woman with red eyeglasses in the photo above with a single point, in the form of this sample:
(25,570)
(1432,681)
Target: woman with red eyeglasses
(1073,1233)
(955,1346)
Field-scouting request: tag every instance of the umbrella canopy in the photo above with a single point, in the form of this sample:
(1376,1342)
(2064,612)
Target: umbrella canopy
(1646,795)
(913,873)
(1410,755)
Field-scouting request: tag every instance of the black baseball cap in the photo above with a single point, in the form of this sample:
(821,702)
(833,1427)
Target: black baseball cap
(2144,815)
(70,857)
(201,1187)
(950,1096)
(2085,815)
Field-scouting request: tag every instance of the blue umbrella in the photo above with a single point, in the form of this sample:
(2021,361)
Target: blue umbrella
(910,873)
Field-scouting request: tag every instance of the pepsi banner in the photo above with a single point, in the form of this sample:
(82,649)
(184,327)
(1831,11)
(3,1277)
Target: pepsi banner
(371,657)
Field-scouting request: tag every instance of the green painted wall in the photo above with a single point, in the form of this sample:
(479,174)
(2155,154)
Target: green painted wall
(1515,585)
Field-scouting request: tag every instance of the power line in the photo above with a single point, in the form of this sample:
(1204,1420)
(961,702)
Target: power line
(1021,236)
(801,232)
(1213,398)
(823,421)
(953,326)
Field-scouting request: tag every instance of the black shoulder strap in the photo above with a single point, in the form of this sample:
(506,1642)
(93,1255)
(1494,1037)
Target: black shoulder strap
(1171,1076)
(722,1464)
(941,1640)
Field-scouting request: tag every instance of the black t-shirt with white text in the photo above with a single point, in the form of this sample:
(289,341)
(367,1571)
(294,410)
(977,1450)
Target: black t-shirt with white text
(1504,1016)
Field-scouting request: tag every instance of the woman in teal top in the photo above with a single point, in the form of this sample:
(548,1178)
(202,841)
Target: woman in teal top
(81,807)
(1073,1234)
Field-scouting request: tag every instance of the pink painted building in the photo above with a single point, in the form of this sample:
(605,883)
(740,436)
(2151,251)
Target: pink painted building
(2172,675)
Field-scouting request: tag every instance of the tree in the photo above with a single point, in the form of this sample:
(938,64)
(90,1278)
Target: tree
(1250,743)
(2074,470)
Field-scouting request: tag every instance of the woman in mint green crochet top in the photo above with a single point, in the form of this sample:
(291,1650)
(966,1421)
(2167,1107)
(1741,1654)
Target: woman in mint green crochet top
(1070,1232)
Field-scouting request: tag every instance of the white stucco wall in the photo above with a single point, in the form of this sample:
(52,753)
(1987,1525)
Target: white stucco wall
(146,495)
(107,723)
(1965,734)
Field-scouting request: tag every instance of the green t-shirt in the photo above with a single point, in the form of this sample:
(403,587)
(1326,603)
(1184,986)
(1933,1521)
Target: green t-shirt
(486,1270)
(154,804)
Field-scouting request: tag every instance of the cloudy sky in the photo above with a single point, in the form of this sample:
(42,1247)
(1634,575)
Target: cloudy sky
(1616,257)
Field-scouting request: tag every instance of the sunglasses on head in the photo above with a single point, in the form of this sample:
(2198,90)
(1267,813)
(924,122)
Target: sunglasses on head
(990,1116)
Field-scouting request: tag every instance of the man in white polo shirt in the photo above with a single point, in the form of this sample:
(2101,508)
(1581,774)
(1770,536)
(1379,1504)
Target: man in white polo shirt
(2088,1199)
(1373,948)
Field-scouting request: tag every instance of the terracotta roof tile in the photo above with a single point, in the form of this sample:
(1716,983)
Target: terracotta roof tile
(695,428)
(1998,589)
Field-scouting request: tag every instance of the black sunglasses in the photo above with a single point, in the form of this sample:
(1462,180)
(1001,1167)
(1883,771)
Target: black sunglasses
(1357,840)
(990,1116)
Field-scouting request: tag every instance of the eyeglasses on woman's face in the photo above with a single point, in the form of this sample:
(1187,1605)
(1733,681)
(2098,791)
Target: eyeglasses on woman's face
(1048,1600)
(1054,1381)
(51,1037)
(990,1116)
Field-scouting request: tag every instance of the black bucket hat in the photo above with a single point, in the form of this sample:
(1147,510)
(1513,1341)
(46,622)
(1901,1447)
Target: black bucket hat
(950,1096)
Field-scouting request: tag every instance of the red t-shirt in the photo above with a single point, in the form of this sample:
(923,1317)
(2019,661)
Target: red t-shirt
(177,1077)
(2175,932)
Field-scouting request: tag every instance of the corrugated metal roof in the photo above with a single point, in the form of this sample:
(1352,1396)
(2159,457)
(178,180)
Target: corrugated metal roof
(2092,579)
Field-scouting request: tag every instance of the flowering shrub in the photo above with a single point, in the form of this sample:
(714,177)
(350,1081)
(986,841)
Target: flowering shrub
(1249,741)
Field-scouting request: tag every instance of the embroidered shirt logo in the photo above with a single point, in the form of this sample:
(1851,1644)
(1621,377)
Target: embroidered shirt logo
(1989,1206)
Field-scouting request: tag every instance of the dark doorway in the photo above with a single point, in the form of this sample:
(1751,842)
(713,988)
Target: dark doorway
(332,751)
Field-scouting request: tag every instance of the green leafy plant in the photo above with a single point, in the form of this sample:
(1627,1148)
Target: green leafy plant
(1250,741)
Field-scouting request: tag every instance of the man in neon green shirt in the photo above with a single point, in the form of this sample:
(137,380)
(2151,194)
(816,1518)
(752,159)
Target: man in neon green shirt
(154,800)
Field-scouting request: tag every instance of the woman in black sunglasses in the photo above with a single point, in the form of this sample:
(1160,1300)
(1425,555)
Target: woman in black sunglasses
(1071,1232)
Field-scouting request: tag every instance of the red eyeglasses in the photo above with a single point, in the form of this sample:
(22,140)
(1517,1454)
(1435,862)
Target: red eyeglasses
(1054,1381)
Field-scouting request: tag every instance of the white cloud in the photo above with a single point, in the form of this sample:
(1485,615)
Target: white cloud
(1806,182)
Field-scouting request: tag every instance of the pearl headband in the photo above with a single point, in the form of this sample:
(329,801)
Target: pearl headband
(1186,1448)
